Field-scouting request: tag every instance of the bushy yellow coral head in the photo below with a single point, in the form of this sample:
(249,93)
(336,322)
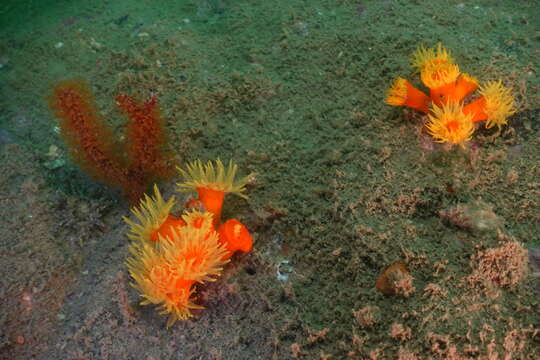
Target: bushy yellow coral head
(448,124)
(499,103)
(161,282)
(216,177)
(397,94)
(196,251)
(152,214)
(165,274)
(425,56)
(199,219)
(438,74)
(212,183)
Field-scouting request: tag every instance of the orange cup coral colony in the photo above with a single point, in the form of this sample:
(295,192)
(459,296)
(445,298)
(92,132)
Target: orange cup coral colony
(170,255)
(450,118)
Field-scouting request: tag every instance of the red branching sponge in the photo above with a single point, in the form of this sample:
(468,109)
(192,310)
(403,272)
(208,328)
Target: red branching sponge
(88,139)
(90,142)
(146,138)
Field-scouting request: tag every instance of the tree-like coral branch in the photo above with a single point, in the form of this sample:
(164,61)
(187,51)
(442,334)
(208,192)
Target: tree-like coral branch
(90,142)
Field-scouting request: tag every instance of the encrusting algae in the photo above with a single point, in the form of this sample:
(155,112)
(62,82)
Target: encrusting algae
(450,119)
(170,255)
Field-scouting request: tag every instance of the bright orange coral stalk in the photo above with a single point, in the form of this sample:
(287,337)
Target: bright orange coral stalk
(212,200)
(454,91)
(235,236)
(476,110)
(495,105)
(403,93)
(166,229)
(464,85)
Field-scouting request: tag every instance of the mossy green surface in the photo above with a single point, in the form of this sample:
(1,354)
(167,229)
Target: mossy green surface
(344,185)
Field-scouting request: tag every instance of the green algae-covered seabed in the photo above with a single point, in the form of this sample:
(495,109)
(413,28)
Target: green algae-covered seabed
(342,184)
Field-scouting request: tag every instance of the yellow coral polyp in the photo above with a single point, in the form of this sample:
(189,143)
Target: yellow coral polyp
(215,177)
(499,103)
(449,124)
(402,93)
(196,252)
(152,214)
(160,283)
(423,56)
(397,94)
(165,274)
(212,183)
(199,219)
(438,74)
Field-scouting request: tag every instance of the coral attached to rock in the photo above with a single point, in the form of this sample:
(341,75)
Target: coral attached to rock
(170,255)
(450,119)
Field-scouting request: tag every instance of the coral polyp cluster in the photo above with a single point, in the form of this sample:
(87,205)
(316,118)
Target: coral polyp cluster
(451,116)
(170,255)
(161,282)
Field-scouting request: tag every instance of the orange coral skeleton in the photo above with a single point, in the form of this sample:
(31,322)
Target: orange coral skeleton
(464,86)
(212,200)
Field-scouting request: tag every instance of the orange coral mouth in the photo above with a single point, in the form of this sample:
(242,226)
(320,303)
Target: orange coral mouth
(452,125)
